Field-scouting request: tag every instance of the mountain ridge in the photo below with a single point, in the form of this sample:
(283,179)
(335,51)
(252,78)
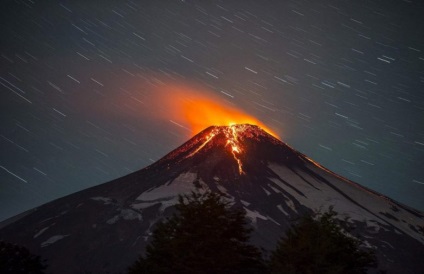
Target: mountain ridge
(276,184)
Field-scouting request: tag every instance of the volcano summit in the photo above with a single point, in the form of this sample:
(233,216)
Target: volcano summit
(103,229)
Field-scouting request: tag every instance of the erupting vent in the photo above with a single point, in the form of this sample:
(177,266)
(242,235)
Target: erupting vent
(246,166)
(231,134)
(235,141)
(232,138)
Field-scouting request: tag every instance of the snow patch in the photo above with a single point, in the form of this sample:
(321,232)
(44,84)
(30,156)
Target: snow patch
(129,214)
(169,203)
(387,243)
(291,205)
(40,232)
(106,201)
(143,205)
(245,203)
(164,204)
(266,192)
(222,189)
(280,207)
(274,221)
(274,189)
(254,215)
(52,240)
(113,220)
(345,196)
(125,214)
(181,185)
(136,240)
(167,194)
(366,243)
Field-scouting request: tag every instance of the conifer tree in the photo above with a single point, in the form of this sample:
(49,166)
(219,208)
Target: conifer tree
(204,236)
(15,259)
(320,246)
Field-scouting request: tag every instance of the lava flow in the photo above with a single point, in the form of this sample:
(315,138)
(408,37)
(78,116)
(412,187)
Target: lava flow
(195,108)
(232,135)
(236,149)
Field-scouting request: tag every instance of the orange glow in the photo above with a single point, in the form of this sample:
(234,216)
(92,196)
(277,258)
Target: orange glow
(236,148)
(231,134)
(196,108)
(203,113)
(208,139)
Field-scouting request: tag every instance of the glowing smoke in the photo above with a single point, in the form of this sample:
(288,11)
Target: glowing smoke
(197,108)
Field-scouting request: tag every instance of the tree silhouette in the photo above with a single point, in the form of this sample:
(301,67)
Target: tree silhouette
(320,246)
(205,236)
(15,259)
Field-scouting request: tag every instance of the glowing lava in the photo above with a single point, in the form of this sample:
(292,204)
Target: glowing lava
(235,145)
(232,135)
(208,139)
(195,108)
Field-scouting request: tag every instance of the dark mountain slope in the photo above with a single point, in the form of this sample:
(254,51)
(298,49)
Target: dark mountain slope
(104,228)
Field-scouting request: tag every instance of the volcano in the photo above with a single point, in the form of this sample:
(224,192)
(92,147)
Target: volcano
(103,229)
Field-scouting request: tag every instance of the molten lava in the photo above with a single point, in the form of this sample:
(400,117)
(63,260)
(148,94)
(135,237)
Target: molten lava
(208,139)
(235,145)
(194,108)
(232,135)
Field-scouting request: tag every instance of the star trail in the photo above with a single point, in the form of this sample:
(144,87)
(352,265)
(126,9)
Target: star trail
(340,81)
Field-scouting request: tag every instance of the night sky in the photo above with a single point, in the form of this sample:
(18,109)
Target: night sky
(84,85)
